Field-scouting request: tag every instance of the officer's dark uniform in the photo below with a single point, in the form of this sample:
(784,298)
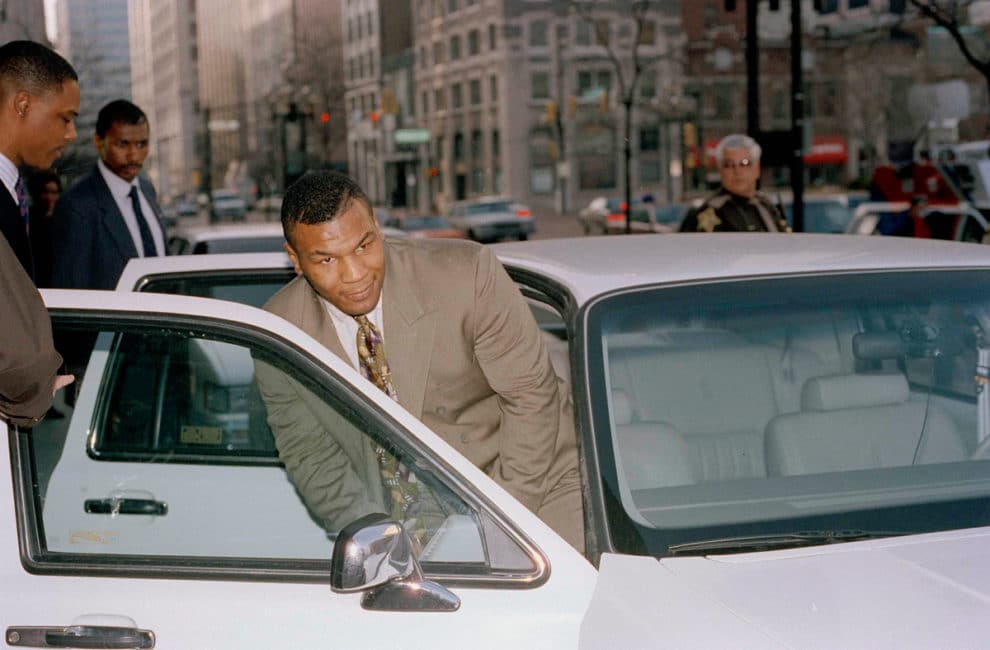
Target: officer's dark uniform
(726,212)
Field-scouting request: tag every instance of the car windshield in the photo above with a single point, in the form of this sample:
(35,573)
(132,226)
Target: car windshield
(423,223)
(822,216)
(492,206)
(671,213)
(776,407)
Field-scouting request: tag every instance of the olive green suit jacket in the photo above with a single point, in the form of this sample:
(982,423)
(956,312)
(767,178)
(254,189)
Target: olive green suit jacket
(466,358)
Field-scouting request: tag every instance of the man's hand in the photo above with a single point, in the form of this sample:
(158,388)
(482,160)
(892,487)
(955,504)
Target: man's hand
(61,381)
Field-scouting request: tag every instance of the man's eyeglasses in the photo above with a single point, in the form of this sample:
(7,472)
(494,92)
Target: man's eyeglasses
(732,164)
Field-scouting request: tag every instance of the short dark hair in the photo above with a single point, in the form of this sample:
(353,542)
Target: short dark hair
(38,178)
(119,111)
(37,67)
(317,197)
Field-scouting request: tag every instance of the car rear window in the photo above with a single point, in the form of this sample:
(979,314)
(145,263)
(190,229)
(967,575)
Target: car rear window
(485,208)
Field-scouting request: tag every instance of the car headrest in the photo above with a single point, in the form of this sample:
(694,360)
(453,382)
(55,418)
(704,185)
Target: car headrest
(853,391)
(622,410)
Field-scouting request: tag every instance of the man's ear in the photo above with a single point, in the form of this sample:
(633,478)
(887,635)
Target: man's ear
(22,102)
(293,257)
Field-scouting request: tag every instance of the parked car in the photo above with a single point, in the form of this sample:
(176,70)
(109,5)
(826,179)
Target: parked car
(822,214)
(605,216)
(226,238)
(228,204)
(492,218)
(960,222)
(781,437)
(418,226)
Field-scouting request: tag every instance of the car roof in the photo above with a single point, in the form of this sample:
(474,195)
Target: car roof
(228,231)
(591,266)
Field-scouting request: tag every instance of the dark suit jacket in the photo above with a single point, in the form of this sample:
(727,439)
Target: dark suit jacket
(28,361)
(467,358)
(12,228)
(90,240)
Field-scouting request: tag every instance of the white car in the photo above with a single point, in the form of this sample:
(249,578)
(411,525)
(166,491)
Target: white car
(226,238)
(959,222)
(492,218)
(782,439)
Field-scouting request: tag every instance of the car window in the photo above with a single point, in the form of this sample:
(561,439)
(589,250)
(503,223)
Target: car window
(177,246)
(775,406)
(166,458)
(247,287)
(485,208)
(241,245)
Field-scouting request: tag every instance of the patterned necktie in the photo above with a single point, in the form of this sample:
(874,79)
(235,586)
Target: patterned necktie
(147,241)
(23,204)
(401,487)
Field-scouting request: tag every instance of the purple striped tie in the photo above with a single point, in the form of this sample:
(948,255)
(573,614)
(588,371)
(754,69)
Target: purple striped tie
(23,203)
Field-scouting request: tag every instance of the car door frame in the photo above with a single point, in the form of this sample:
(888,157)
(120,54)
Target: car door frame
(564,590)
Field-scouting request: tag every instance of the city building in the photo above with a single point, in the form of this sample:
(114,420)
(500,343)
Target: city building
(23,20)
(93,36)
(165,84)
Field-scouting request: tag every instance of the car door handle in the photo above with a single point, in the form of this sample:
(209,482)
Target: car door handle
(80,636)
(126,507)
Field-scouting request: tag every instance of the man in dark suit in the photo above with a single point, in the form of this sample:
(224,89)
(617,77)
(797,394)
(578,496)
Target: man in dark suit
(39,101)
(110,215)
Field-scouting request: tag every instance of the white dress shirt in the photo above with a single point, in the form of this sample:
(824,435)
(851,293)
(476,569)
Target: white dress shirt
(120,190)
(9,174)
(347,328)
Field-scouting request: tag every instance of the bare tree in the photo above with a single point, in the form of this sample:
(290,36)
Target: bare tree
(629,65)
(951,15)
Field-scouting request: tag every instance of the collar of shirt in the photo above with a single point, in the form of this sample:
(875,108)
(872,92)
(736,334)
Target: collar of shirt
(118,186)
(347,327)
(9,174)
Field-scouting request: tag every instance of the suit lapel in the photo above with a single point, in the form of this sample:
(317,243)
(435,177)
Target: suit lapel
(111,217)
(314,319)
(409,332)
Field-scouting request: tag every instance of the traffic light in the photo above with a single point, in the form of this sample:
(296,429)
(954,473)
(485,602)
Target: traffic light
(551,112)
(325,117)
(603,102)
(375,116)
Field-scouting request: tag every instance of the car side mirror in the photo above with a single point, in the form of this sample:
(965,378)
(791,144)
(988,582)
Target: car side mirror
(375,555)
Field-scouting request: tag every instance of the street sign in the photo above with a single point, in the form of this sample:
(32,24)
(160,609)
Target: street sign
(412,136)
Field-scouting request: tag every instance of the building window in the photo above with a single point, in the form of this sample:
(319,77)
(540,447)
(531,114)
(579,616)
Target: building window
(602,32)
(476,140)
(451,6)
(724,95)
(540,85)
(496,146)
(491,37)
(828,6)
(478,180)
(647,84)
(456,98)
(439,101)
(423,62)
(437,53)
(475,92)
(493,90)
(649,139)
(648,32)
(425,102)
(474,42)
(458,147)
(828,99)
(583,34)
(591,82)
(649,171)
(538,33)
(455,48)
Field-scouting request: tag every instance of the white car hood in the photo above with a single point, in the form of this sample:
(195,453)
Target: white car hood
(923,591)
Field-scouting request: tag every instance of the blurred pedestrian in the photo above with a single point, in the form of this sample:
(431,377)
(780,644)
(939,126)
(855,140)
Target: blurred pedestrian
(737,206)
(110,215)
(44,187)
(39,102)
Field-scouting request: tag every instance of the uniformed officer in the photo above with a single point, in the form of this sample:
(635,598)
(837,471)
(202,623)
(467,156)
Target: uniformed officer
(737,206)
